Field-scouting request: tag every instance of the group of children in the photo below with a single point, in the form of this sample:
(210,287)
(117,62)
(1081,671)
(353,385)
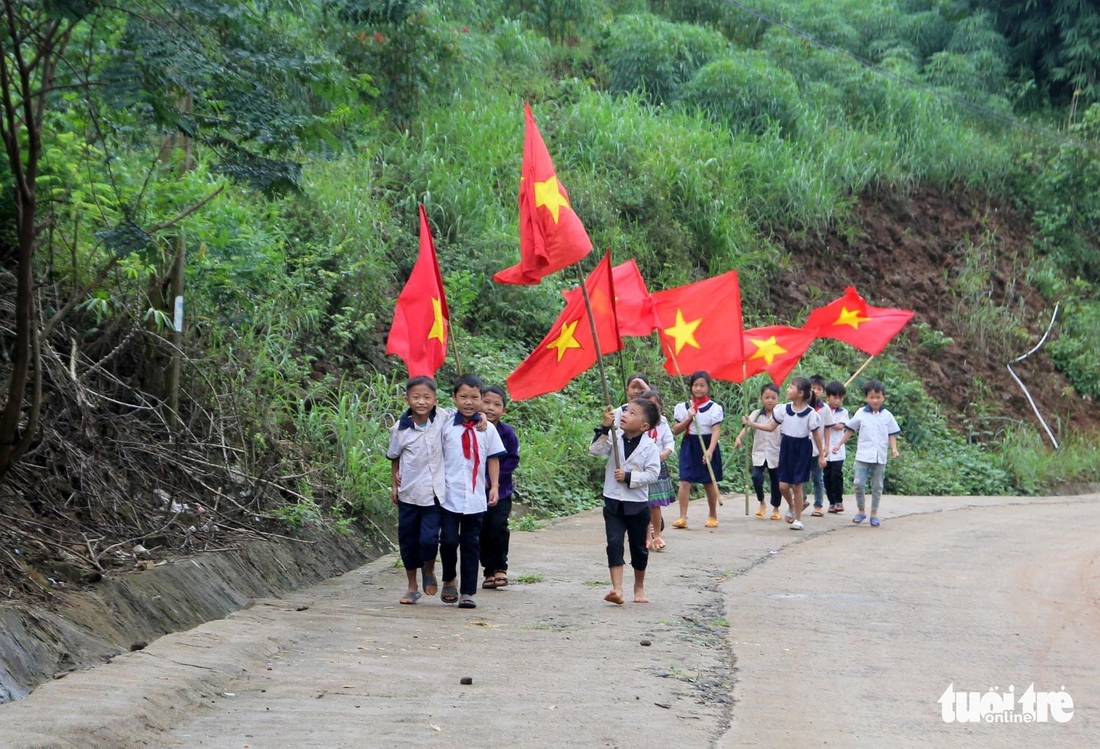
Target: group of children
(451,480)
(452,471)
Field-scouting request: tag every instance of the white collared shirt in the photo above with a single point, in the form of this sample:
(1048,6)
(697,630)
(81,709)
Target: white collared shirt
(875,429)
(419,452)
(466,495)
(705,420)
(644,466)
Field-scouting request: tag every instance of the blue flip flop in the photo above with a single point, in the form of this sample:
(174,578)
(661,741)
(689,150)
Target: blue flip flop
(875,523)
(859,518)
(410,598)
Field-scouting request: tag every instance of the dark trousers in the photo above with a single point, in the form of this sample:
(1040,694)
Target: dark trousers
(417,534)
(495,536)
(834,482)
(629,519)
(773,482)
(458,530)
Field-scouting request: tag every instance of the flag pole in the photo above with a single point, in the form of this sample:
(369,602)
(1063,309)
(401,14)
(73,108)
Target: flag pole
(599,358)
(454,346)
(856,373)
(746,399)
(702,445)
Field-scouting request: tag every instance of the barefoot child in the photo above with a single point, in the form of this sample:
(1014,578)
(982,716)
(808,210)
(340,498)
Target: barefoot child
(800,428)
(878,436)
(417,483)
(699,416)
(495,534)
(765,451)
(661,493)
(471,461)
(625,490)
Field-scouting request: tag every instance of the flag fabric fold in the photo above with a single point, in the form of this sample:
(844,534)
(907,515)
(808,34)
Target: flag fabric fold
(852,320)
(633,304)
(551,235)
(568,349)
(419,331)
(775,349)
(700,325)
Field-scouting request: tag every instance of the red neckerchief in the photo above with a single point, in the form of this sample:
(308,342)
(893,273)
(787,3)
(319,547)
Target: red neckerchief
(653,434)
(699,402)
(469,442)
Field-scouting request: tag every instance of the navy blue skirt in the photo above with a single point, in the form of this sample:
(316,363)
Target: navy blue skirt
(692,468)
(795,456)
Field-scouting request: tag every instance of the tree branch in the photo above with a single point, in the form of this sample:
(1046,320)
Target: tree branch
(172,222)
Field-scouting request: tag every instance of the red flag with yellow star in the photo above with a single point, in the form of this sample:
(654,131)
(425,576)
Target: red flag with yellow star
(852,320)
(776,349)
(633,304)
(700,325)
(551,235)
(419,331)
(568,349)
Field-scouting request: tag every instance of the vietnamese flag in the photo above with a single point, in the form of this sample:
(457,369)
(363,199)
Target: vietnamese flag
(551,235)
(633,304)
(700,325)
(776,349)
(568,349)
(852,320)
(419,331)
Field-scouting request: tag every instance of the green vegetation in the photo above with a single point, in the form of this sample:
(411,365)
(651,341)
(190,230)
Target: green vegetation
(285,147)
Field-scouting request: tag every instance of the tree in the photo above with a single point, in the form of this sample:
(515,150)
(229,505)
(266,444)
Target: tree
(230,76)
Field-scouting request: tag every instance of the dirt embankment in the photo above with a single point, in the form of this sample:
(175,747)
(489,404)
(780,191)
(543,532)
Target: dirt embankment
(960,262)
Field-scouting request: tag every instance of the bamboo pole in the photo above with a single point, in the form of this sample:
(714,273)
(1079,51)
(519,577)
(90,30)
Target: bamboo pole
(856,373)
(599,359)
(453,339)
(702,444)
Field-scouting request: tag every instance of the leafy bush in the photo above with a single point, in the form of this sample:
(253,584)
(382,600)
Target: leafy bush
(745,91)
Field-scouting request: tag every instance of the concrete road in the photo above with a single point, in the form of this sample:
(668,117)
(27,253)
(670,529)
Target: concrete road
(756,635)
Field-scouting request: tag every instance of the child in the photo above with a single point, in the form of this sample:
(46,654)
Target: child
(661,492)
(417,483)
(817,473)
(495,534)
(636,385)
(695,454)
(800,427)
(834,466)
(878,432)
(471,461)
(625,490)
(765,451)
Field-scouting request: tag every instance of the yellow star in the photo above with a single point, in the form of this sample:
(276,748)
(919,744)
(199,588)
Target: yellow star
(851,317)
(766,350)
(549,194)
(683,332)
(437,324)
(565,339)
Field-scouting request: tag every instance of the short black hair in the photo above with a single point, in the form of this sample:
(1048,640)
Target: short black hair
(770,386)
(495,389)
(650,412)
(817,380)
(652,393)
(468,380)
(873,386)
(700,374)
(836,387)
(420,380)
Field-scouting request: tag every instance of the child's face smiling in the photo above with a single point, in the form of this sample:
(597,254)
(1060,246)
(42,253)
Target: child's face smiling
(635,388)
(633,421)
(421,400)
(467,400)
(875,399)
(492,406)
(769,398)
(700,388)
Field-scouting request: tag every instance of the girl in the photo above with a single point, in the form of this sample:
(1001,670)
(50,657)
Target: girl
(636,384)
(697,455)
(765,451)
(661,493)
(800,427)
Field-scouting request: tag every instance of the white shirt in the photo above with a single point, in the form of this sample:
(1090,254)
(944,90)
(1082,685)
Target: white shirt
(765,445)
(796,424)
(644,465)
(874,428)
(466,483)
(419,452)
(826,415)
(709,415)
(664,440)
(840,416)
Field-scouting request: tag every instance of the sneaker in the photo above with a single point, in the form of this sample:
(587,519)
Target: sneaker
(776,515)
(796,525)
(858,518)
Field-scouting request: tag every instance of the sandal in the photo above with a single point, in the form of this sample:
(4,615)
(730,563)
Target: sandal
(659,545)
(490,582)
(450,593)
(817,513)
(776,515)
(712,523)
(832,510)
(431,585)
(759,513)
(874,522)
(410,598)
(501,580)
(467,602)
(839,509)
(681,523)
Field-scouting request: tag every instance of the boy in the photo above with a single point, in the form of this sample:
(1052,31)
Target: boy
(834,468)
(817,473)
(471,462)
(626,491)
(878,432)
(495,534)
(417,483)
